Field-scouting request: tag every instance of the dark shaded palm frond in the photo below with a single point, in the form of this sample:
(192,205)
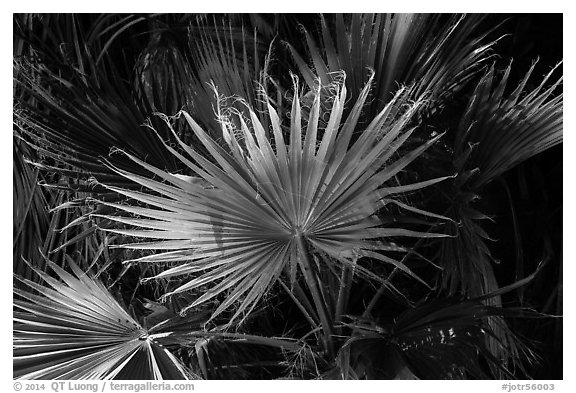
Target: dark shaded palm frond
(498,131)
(467,261)
(79,113)
(31,218)
(437,56)
(258,210)
(74,329)
(169,70)
(42,226)
(466,256)
(75,123)
(502,130)
(462,334)
(81,41)
(75,102)
(163,73)
(369,354)
(236,60)
(221,355)
(34,223)
(442,339)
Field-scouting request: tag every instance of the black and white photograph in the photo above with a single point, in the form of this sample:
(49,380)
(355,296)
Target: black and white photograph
(287,196)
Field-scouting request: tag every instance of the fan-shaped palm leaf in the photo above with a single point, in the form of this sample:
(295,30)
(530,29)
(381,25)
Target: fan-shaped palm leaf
(77,330)
(502,131)
(261,210)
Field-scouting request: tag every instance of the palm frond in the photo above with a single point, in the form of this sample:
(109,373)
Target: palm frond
(233,58)
(79,123)
(440,339)
(75,103)
(31,218)
(496,132)
(75,329)
(438,56)
(502,130)
(264,207)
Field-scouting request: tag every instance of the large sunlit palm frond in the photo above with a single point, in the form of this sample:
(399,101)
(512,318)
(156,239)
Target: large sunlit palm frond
(75,329)
(261,208)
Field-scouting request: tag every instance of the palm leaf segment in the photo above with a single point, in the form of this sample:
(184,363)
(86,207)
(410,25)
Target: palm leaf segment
(265,208)
(442,339)
(498,131)
(77,330)
(436,53)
